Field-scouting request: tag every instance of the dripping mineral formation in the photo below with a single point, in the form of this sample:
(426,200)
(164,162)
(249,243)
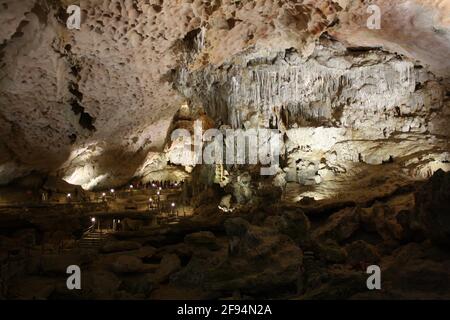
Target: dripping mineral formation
(93,175)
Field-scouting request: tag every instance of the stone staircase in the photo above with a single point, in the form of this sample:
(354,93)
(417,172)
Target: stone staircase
(93,240)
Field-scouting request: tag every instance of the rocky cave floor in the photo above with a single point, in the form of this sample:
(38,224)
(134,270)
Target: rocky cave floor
(267,249)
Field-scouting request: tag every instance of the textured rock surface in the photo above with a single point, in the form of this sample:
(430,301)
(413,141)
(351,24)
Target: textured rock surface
(433,200)
(337,107)
(275,251)
(407,27)
(118,246)
(259,261)
(94,105)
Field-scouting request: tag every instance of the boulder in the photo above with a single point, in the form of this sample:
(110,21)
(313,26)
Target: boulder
(361,253)
(339,226)
(131,264)
(183,251)
(294,224)
(99,284)
(137,284)
(170,263)
(342,283)
(269,193)
(433,207)
(32,288)
(206,197)
(412,228)
(131,224)
(202,240)
(146,252)
(417,271)
(118,246)
(382,219)
(58,263)
(95,285)
(236,227)
(259,262)
(27,237)
(313,273)
(331,252)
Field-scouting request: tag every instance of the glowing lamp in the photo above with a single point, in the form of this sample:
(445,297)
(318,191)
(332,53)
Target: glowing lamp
(93,219)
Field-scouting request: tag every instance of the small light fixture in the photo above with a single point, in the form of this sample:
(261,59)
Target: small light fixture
(112,190)
(131,186)
(93,219)
(173,204)
(69,195)
(158,193)
(104,194)
(150,200)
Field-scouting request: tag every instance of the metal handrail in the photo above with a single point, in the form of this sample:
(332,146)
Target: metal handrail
(89,230)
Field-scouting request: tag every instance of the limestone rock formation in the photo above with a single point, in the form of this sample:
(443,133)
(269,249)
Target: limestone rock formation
(94,105)
(100,129)
(256,261)
(130,264)
(432,207)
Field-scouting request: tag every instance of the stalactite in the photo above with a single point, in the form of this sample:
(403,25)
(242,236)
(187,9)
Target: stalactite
(306,90)
(199,40)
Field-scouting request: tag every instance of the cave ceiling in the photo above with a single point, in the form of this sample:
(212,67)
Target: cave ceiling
(98,102)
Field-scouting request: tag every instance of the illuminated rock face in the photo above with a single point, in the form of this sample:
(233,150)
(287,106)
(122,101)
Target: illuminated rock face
(416,28)
(94,105)
(333,87)
(337,107)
